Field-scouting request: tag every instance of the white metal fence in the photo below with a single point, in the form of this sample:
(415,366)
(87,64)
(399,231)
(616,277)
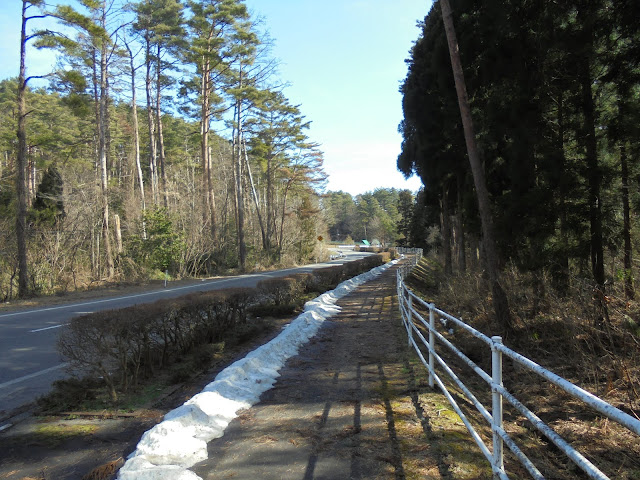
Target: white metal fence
(412,319)
(411,251)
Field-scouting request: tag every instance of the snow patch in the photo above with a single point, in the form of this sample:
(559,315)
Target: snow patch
(166,451)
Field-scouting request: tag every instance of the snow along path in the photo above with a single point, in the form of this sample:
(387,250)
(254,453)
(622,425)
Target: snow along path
(180,441)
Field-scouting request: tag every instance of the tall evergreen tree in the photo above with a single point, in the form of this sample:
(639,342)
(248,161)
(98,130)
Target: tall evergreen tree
(210,24)
(21,167)
(500,302)
(277,130)
(542,77)
(160,24)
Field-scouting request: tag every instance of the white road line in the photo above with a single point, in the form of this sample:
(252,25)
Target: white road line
(155,292)
(107,300)
(31,375)
(46,328)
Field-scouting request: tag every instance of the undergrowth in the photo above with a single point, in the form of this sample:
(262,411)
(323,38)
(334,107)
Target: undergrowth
(122,359)
(589,337)
(89,394)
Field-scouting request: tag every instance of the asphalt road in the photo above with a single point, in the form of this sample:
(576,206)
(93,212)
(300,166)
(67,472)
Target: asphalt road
(29,361)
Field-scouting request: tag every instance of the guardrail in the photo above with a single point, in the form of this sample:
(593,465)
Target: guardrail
(410,315)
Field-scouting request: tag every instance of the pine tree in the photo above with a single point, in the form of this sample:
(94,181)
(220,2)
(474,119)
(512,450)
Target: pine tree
(500,302)
(209,26)
(48,205)
(279,130)
(160,24)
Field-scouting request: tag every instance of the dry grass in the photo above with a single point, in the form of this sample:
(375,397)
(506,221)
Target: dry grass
(57,433)
(106,471)
(587,337)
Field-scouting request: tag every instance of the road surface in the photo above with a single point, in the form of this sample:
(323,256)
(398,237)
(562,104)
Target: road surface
(29,361)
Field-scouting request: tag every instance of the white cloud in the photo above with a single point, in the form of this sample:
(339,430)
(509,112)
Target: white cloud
(359,167)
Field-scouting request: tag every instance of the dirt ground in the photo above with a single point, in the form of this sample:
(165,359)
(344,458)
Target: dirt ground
(71,447)
(350,405)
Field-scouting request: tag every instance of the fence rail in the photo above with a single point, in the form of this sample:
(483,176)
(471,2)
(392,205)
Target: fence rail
(412,319)
(411,251)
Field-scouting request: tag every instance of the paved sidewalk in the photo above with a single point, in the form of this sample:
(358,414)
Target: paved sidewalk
(345,408)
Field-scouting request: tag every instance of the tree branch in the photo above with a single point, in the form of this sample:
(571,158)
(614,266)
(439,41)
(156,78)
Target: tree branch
(32,77)
(36,16)
(39,33)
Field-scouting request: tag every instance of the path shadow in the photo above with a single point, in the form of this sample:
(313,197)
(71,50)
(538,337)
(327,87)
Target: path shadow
(313,458)
(414,392)
(391,427)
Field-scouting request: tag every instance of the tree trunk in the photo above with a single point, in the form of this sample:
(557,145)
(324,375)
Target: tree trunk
(31,177)
(240,184)
(285,193)
(21,186)
(161,157)
(256,200)
(446,230)
(462,247)
(211,195)
(96,107)
(593,176)
(116,221)
(561,276)
(585,16)
(153,168)
(626,229)
(270,207)
(102,154)
(500,302)
(208,201)
(136,140)
(107,122)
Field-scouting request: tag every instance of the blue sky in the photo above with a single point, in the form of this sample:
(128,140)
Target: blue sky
(344,60)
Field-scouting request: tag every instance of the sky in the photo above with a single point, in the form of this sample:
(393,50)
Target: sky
(344,61)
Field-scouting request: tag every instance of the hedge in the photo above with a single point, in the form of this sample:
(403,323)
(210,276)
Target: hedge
(124,345)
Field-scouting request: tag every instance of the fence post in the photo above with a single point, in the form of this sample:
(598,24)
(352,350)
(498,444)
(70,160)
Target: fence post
(432,343)
(410,319)
(496,374)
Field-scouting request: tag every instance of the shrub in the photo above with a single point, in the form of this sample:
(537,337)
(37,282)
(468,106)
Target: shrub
(247,331)
(204,355)
(284,290)
(181,374)
(93,342)
(162,247)
(120,346)
(67,393)
(326,278)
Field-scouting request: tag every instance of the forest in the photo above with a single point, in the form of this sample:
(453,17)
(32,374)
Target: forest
(554,92)
(522,119)
(162,142)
